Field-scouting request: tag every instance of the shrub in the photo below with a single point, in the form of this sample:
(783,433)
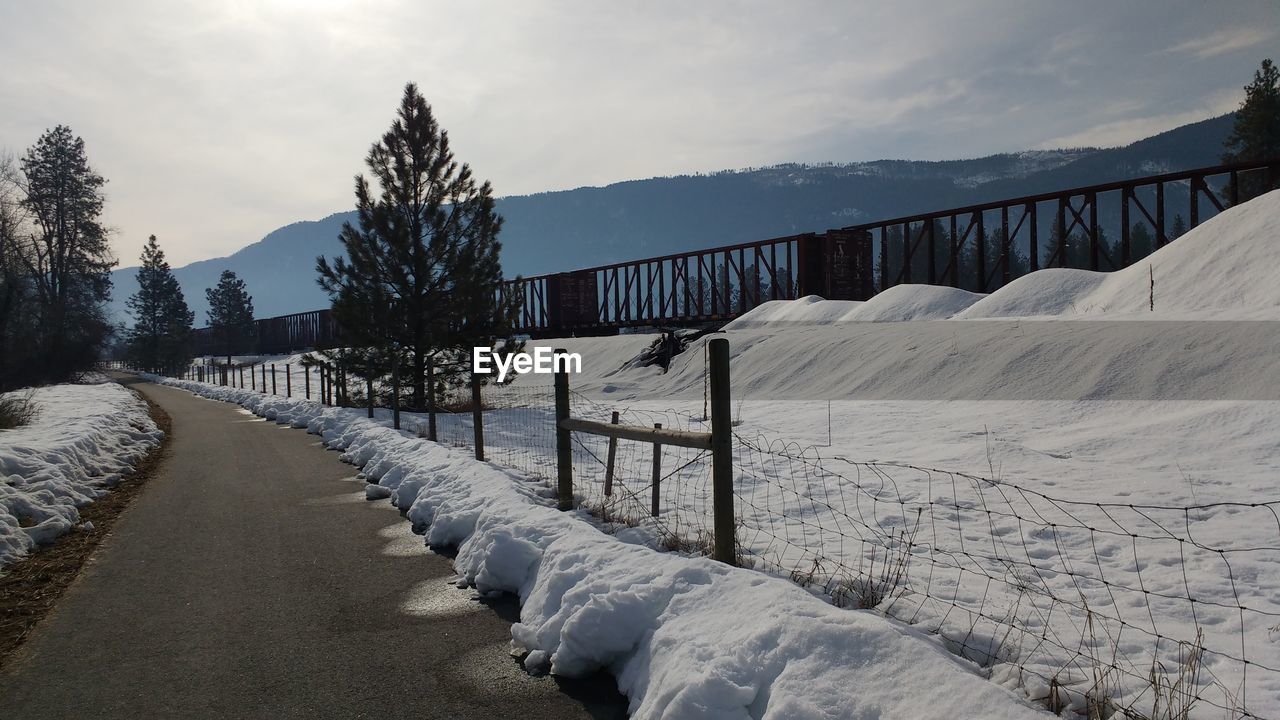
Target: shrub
(17,409)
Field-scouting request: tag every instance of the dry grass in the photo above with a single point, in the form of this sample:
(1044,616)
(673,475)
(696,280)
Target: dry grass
(30,588)
(17,409)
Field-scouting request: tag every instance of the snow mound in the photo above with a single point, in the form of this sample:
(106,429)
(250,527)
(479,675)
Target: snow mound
(82,440)
(685,637)
(1224,269)
(808,310)
(914,302)
(1054,292)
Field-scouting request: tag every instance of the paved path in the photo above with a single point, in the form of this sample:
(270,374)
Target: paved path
(251,579)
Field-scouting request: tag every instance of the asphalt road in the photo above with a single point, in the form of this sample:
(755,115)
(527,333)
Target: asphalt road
(250,579)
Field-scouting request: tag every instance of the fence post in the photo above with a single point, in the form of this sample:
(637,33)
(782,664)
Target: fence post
(288,382)
(395,390)
(477,416)
(241,377)
(306,376)
(324,397)
(657,475)
(342,382)
(722,454)
(564,450)
(613,453)
(273,378)
(368,391)
(431,399)
(253,378)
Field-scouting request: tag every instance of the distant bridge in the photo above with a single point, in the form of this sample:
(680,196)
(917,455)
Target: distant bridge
(980,247)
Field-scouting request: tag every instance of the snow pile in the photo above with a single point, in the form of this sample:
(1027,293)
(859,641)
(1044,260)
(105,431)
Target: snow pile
(899,303)
(81,442)
(914,302)
(1221,270)
(808,310)
(1224,269)
(685,637)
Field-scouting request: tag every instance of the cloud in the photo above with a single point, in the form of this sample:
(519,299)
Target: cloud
(1223,41)
(218,122)
(1122,132)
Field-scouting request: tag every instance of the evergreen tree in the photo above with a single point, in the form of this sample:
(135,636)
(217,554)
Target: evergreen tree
(421,271)
(1256,133)
(65,255)
(992,248)
(161,332)
(1179,228)
(1141,242)
(231,315)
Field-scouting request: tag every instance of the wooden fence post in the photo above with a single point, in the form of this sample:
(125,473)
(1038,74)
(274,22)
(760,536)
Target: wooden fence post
(564,449)
(722,454)
(395,390)
(264,378)
(253,378)
(613,454)
(657,475)
(477,416)
(273,378)
(241,377)
(306,377)
(368,391)
(288,382)
(324,393)
(431,399)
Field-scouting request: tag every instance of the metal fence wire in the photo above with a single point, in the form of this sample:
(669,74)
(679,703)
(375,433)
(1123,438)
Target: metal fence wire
(1105,609)
(1097,607)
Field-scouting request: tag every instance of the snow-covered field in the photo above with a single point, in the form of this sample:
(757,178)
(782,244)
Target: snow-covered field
(685,637)
(81,442)
(1087,507)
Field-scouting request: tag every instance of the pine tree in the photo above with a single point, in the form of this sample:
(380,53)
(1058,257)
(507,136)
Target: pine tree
(1256,133)
(231,314)
(66,256)
(1141,242)
(1179,228)
(422,270)
(161,332)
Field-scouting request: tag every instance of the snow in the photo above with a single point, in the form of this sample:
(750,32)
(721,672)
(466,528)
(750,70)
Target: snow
(810,309)
(83,440)
(1031,386)
(685,637)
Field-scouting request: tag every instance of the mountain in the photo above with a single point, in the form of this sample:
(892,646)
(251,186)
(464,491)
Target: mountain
(564,230)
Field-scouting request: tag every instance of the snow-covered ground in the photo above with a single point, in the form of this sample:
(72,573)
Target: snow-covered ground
(686,637)
(84,438)
(1087,504)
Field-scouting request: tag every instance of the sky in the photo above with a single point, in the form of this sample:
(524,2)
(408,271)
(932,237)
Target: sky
(218,122)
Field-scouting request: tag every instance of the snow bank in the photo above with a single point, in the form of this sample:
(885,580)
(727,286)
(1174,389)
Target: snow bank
(809,310)
(1224,269)
(899,303)
(83,440)
(914,302)
(685,637)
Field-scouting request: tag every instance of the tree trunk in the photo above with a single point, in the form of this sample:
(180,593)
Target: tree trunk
(419,377)
(431,400)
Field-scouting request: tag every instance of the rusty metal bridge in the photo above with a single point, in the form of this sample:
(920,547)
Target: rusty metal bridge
(978,247)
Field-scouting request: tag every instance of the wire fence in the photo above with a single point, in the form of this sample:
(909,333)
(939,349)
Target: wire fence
(1104,609)
(1152,611)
